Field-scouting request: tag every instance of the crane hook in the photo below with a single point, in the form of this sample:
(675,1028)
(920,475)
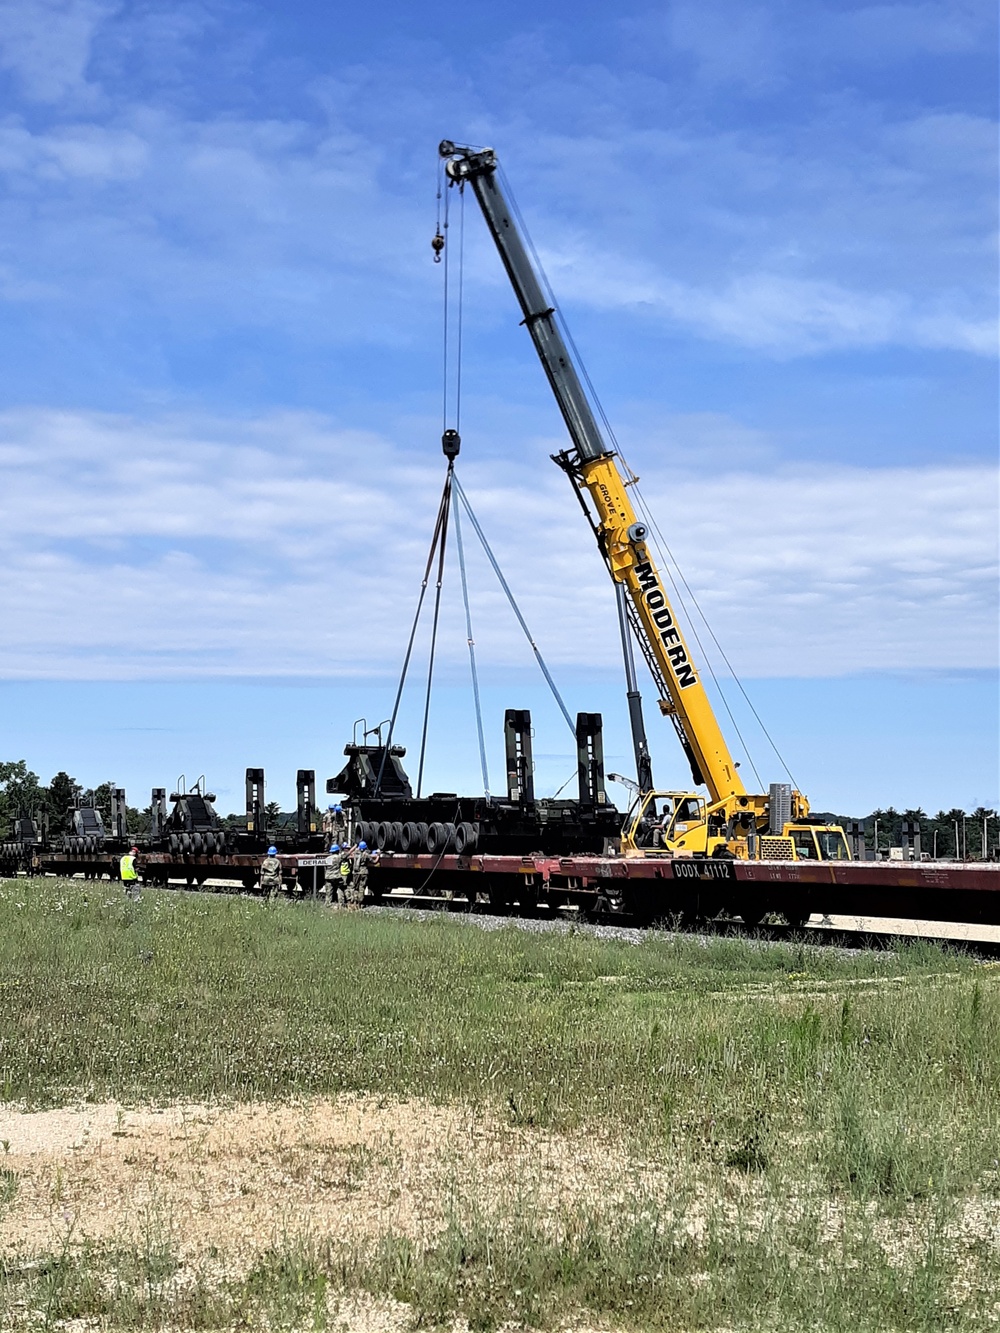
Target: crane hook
(437,245)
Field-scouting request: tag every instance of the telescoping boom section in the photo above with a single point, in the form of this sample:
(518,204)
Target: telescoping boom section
(732,817)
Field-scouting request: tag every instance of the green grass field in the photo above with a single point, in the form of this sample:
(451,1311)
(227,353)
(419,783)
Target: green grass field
(810,1140)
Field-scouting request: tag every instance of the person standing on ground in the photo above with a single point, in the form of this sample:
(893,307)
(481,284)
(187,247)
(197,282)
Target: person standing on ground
(331,873)
(360,862)
(270,874)
(128,874)
(345,876)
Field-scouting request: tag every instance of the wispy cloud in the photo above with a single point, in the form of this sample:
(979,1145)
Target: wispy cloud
(284,545)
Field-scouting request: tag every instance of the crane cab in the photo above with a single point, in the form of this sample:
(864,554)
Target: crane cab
(680,823)
(806,842)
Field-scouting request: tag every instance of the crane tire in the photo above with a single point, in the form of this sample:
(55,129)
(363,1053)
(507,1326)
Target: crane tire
(383,836)
(397,833)
(466,838)
(410,840)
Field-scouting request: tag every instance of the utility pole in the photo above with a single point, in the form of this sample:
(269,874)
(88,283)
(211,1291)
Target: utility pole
(934,854)
(965,837)
(958,845)
(876,839)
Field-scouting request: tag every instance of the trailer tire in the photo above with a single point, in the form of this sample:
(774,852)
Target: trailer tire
(440,838)
(466,838)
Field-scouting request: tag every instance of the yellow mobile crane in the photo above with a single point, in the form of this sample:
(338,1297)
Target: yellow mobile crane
(731,821)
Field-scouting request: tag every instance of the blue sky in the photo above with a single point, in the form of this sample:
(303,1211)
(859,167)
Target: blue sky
(772,230)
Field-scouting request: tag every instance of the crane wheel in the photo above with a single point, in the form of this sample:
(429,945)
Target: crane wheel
(396,829)
(383,837)
(410,840)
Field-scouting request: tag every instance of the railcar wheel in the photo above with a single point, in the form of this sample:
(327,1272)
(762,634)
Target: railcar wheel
(795,914)
(752,911)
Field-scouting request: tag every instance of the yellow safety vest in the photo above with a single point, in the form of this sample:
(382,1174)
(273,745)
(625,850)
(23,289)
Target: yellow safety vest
(127,868)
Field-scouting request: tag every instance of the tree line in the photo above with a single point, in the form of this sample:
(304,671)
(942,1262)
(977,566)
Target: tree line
(949,833)
(23,794)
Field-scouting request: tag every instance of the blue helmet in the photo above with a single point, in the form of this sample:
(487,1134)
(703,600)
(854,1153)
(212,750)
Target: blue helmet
(362,846)
(335,847)
(338,809)
(333,807)
(272,851)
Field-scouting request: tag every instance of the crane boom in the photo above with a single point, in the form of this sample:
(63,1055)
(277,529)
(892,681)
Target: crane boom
(593,467)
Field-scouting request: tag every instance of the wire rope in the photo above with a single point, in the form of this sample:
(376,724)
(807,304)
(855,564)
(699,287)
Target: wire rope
(445,499)
(443,527)
(472,651)
(464,499)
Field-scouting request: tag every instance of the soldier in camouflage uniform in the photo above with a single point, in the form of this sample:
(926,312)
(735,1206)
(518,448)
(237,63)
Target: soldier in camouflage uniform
(345,876)
(361,860)
(270,874)
(331,873)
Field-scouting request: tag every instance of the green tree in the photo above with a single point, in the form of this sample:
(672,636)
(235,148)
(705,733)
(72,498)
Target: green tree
(20,792)
(59,797)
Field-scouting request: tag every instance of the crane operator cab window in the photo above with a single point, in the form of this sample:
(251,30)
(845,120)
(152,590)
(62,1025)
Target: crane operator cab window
(689,812)
(820,844)
(832,845)
(805,844)
(654,822)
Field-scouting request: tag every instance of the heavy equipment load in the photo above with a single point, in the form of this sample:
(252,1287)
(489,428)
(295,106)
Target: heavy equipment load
(382,810)
(729,821)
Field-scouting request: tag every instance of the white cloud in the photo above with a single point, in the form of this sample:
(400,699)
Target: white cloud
(773,311)
(47,44)
(284,545)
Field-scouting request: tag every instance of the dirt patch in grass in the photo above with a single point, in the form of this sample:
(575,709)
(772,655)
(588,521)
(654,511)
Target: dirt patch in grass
(237,1179)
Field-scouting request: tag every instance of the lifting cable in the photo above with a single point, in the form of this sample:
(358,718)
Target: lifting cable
(440,525)
(443,528)
(439,539)
(464,500)
(648,516)
(472,651)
